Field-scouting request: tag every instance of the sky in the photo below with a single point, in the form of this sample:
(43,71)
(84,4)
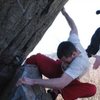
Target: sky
(83,12)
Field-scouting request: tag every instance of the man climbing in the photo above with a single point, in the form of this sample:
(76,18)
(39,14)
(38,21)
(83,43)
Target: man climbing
(64,73)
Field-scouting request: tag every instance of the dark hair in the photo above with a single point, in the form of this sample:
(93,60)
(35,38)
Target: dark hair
(65,48)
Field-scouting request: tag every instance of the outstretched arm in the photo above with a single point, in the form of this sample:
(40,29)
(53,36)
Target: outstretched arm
(97,62)
(55,83)
(70,22)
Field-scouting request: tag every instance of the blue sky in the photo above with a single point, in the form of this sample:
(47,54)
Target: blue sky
(83,13)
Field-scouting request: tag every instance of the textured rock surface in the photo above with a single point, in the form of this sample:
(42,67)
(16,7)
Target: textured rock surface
(22,25)
(26,92)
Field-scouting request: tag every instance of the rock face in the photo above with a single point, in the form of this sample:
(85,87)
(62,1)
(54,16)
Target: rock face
(26,92)
(22,25)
